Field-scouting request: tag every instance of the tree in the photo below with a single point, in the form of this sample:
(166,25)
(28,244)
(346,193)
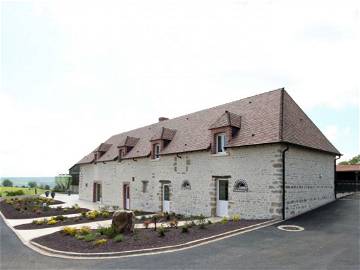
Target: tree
(7,183)
(47,187)
(354,160)
(32,184)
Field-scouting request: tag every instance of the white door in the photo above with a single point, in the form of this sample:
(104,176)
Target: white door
(127,197)
(166,198)
(222,201)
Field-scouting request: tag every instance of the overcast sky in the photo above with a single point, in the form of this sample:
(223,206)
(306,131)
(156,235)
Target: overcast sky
(73,73)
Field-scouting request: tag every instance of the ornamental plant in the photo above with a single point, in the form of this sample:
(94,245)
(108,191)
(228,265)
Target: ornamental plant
(52,222)
(100,242)
(84,230)
(70,230)
(162,231)
(90,237)
(119,238)
(185,229)
(224,220)
(235,218)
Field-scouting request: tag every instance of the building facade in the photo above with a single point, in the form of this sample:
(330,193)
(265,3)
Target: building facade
(248,157)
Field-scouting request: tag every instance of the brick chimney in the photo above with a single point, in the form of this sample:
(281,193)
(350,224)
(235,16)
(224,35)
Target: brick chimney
(163,119)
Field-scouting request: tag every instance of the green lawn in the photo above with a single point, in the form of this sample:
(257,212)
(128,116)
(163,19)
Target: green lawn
(27,191)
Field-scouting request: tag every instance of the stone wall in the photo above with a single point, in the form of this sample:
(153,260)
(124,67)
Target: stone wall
(257,165)
(309,180)
(260,167)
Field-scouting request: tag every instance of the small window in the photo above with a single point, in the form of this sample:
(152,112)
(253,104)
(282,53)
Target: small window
(220,143)
(240,186)
(186,185)
(157,151)
(121,154)
(145,186)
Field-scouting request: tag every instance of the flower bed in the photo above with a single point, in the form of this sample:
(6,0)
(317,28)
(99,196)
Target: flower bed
(84,240)
(60,220)
(32,207)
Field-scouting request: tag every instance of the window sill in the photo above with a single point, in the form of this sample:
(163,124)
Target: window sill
(221,154)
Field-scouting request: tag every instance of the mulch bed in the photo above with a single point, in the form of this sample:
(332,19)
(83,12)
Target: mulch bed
(68,221)
(10,212)
(142,239)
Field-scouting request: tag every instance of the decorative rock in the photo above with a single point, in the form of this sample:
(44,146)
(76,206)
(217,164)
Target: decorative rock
(123,221)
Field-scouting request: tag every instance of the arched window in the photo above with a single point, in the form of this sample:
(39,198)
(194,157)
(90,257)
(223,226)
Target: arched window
(186,185)
(240,186)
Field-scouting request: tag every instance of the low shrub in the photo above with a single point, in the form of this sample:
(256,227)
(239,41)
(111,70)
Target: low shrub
(79,236)
(52,222)
(202,222)
(235,218)
(209,222)
(70,231)
(108,231)
(100,242)
(15,193)
(40,221)
(185,229)
(90,237)
(105,214)
(162,231)
(75,206)
(60,218)
(224,220)
(84,230)
(119,238)
(92,214)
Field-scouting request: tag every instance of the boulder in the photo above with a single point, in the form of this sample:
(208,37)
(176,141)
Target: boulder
(123,221)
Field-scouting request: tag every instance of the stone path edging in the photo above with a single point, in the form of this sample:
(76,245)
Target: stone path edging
(150,251)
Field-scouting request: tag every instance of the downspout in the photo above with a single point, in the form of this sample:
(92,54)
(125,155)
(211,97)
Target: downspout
(283,182)
(335,175)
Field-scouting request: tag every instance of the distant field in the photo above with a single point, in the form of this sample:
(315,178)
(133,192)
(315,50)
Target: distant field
(27,191)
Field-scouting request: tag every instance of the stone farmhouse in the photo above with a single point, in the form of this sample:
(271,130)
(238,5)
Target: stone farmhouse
(260,157)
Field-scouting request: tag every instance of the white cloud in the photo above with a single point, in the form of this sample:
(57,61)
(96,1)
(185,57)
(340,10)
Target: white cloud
(118,65)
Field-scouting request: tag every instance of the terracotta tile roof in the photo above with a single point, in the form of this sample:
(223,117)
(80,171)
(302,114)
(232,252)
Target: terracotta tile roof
(348,168)
(266,118)
(164,133)
(103,147)
(227,119)
(129,141)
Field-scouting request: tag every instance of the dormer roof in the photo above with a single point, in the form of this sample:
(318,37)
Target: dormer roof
(129,141)
(227,119)
(164,134)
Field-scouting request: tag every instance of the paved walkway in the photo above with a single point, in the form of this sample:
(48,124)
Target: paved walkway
(330,241)
(74,199)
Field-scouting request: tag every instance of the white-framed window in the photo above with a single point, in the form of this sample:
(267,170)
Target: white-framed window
(157,151)
(220,143)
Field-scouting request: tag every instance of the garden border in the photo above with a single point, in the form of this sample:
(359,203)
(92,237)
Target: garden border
(141,252)
(150,251)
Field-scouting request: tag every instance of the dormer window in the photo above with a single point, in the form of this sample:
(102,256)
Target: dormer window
(121,153)
(220,142)
(160,140)
(223,131)
(156,150)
